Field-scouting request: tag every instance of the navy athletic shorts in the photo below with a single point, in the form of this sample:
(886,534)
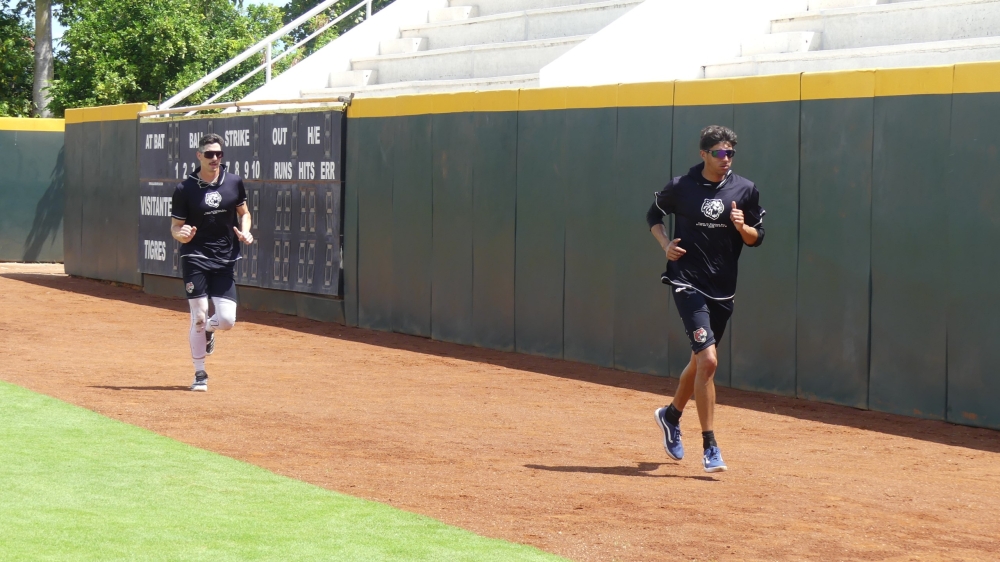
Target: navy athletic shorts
(209,282)
(704,319)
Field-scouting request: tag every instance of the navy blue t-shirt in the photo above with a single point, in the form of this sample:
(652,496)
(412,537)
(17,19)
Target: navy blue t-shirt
(211,208)
(701,209)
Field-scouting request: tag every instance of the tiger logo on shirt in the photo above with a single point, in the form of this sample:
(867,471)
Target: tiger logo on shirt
(213,199)
(712,208)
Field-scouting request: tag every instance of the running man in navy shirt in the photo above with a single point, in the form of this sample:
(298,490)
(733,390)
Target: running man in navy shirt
(716,213)
(209,218)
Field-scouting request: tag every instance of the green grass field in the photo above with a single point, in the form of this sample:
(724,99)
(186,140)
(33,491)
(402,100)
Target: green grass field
(75,485)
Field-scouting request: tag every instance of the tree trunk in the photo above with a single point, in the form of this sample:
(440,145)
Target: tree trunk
(43,57)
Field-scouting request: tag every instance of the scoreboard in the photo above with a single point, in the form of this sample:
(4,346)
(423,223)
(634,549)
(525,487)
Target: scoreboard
(291,166)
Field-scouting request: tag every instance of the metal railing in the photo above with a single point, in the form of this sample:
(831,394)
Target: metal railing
(265,45)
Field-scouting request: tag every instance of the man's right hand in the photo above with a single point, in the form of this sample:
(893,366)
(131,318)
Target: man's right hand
(186,233)
(674,252)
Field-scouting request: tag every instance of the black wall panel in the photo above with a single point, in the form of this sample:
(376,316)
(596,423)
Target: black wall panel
(763,324)
(688,123)
(641,168)
(589,196)
(453,138)
(107,192)
(908,318)
(73,214)
(412,226)
(542,166)
(373,182)
(92,213)
(351,223)
(834,250)
(127,140)
(971,261)
(494,201)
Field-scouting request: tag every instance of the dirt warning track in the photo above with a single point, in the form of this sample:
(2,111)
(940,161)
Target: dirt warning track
(560,455)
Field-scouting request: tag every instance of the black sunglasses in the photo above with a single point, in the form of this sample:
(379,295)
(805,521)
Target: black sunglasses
(212,154)
(719,153)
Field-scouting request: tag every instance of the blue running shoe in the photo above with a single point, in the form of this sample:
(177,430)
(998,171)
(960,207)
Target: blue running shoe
(671,436)
(713,460)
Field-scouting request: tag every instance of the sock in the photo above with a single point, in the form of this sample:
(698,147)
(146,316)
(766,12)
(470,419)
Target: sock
(673,415)
(708,439)
(199,364)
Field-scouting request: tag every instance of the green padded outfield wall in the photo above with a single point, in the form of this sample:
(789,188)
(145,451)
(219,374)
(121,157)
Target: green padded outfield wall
(641,167)
(589,312)
(412,227)
(102,188)
(494,202)
(972,262)
(837,305)
(373,176)
(32,190)
(453,157)
(540,240)
(766,117)
(908,372)
(835,237)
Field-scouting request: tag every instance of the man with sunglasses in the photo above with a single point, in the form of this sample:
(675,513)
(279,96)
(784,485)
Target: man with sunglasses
(209,218)
(716,213)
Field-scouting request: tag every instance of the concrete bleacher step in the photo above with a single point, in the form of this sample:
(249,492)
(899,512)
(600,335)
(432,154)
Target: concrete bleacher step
(430,86)
(897,23)
(402,46)
(524,25)
(493,7)
(787,42)
(476,61)
(351,78)
(893,56)
(453,13)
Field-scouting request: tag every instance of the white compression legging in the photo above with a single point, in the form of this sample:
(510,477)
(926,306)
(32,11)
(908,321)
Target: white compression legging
(223,319)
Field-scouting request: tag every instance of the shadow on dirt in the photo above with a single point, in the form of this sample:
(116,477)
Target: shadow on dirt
(184,388)
(643,470)
(877,422)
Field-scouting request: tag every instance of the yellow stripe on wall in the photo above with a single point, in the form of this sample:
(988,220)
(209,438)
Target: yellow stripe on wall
(372,107)
(838,84)
(591,97)
(459,102)
(497,100)
(716,91)
(123,112)
(33,125)
(416,104)
(537,99)
(766,89)
(914,81)
(650,94)
(977,78)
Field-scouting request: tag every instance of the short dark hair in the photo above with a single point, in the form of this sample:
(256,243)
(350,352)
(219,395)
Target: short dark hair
(208,139)
(714,134)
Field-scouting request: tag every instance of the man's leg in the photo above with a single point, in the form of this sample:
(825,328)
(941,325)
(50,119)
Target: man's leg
(704,387)
(225,315)
(685,386)
(222,290)
(196,339)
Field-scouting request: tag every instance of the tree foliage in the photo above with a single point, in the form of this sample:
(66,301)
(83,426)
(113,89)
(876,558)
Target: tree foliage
(16,64)
(125,51)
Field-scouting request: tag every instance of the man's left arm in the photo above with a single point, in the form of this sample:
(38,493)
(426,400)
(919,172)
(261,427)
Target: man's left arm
(246,221)
(751,235)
